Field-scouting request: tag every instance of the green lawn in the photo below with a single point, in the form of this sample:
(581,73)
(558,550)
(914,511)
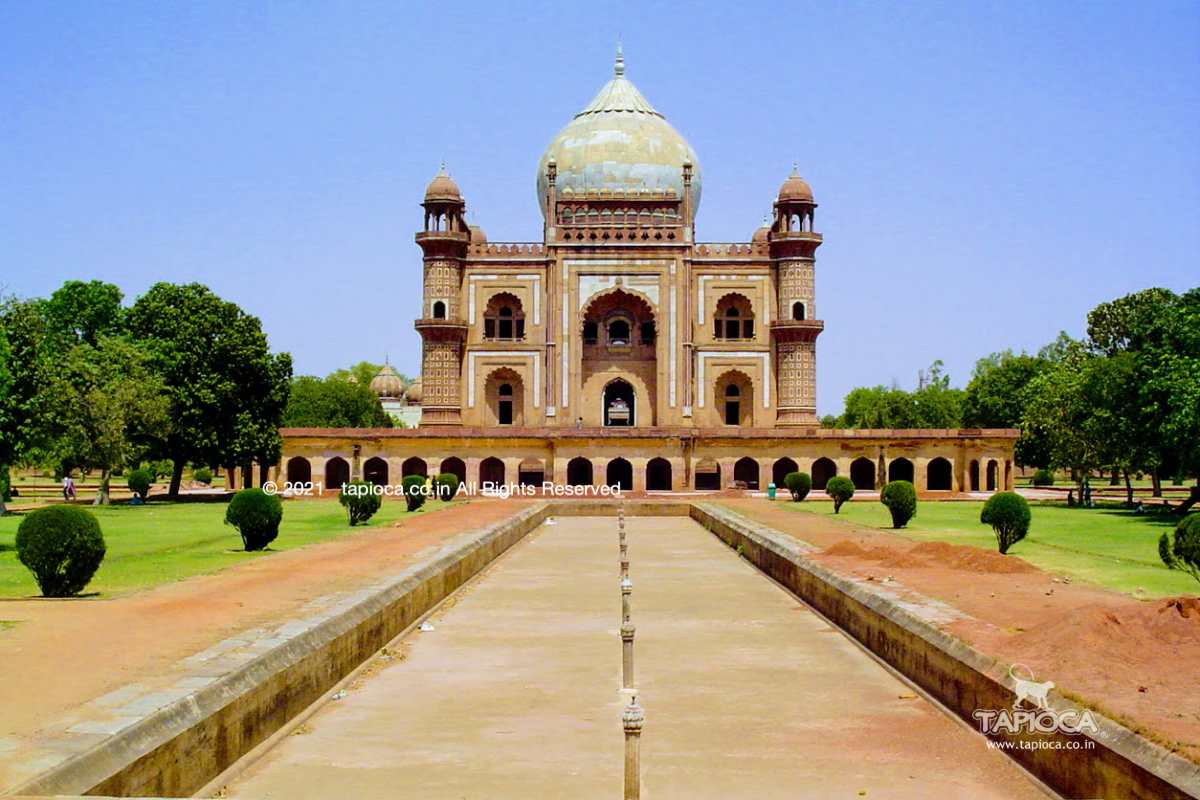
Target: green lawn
(163,542)
(1108,546)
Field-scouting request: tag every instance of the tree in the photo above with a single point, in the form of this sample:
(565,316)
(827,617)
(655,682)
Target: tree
(937,405)
(333,403)
(32,360)
(1059,413)
(363,372)
(840,489)
(84,311)
(934,404)
(999,393)
(105,403)
(226,390)
(1008,514)
(7,419)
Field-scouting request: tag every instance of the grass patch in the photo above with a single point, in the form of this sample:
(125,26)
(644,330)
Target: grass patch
(1109,546)
(163,542)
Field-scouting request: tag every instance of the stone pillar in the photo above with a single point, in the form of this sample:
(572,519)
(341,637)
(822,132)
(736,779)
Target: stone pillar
(627,631)
(626,591)
(632,720)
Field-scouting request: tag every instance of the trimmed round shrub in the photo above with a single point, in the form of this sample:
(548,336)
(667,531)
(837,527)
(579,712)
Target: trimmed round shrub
(414,491)
(140,481)
(203,475)
(62,546)
(799,484)
(1184,552)
(841,489)
(1008,514)
(256,515)
(901,500)
(447,485)
(1043,477)
(361,500)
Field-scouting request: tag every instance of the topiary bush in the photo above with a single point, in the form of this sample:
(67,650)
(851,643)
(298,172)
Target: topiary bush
(799,484)
(361,501)
(62,546)
(256,515)
(447,485)
(414,491)
(840,489)
(1184,552)
(901,500)
(1043,477)
(140,481)
(1008,514)
(203,475)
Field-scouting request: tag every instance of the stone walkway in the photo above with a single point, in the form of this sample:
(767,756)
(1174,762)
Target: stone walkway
(515,692)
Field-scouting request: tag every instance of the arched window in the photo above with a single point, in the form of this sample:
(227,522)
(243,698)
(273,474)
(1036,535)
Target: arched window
(439,310)
(591,332)
(618,332)
(505,404)
(734,318)
(647,330)
(504,319)
(797,310)
(733,404)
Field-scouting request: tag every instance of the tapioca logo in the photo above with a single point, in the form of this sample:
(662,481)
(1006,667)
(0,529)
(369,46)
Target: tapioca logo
(1039,717)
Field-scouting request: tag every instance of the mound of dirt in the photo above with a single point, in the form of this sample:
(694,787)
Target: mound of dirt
(1142,632)
(846,548)
(970,559)
(933,554)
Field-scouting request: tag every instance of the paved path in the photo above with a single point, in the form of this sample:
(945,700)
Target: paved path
(515,692)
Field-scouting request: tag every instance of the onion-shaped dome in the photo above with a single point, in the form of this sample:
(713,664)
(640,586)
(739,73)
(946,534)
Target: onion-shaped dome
(620,143)
(761,234)
(387,383)
(477,234)
(413,394)
(443,188)
(795,188)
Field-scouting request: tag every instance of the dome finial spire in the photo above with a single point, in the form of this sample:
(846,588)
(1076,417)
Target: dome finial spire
(619,64)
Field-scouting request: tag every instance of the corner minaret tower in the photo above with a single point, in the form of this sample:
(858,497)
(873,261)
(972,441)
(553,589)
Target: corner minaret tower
(793,245)
(443,240)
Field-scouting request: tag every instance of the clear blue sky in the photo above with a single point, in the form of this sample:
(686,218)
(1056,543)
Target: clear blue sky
(986,172)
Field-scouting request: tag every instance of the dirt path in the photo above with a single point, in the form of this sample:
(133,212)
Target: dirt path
(515,692)
(1127,658)
(63,653)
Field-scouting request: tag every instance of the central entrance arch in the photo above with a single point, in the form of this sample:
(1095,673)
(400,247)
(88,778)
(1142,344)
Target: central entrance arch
(619,404)
(619,473)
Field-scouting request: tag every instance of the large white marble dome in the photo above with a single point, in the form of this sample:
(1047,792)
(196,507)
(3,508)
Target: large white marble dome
(619,142)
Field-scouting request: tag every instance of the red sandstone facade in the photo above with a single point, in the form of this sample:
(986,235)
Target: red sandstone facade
(618,350)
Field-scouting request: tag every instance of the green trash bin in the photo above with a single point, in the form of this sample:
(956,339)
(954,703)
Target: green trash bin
(770,491)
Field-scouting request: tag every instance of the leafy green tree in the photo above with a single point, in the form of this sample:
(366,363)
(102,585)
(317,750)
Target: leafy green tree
(82,311)
(7,419)
(934,404)
(104,404)
(30,365)
(840,489)
(226,390)
(363,372)
(1059,413)
(333,403)
(1182,551)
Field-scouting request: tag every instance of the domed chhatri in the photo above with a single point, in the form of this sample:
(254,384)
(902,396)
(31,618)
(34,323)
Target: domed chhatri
(413,393)
(387,383)
(619,142)
(442,187)
(795,188)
